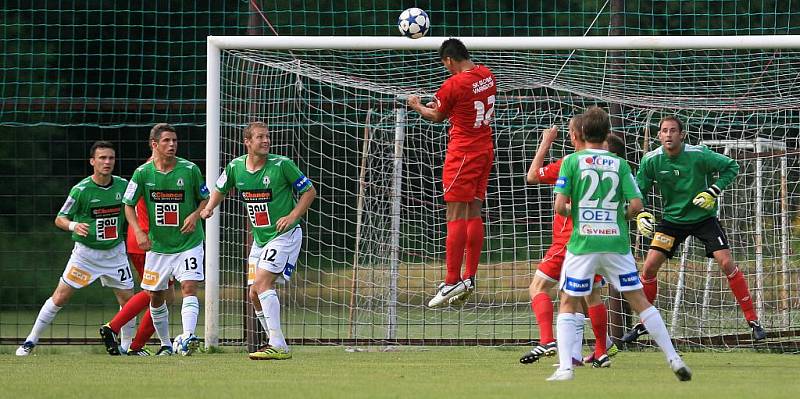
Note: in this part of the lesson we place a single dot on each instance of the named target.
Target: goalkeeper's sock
(655, 326)
(650, 288)
(262, 319)
(742, 293)
(126, 334)
(542, 307)
(189, 311)
(133, 307)
(566, 339)
(599, 318)
(46, 315)
(577, 346)
(271, 307)
(161, 323)
(474, 245)
(144, 332)
(454, 246)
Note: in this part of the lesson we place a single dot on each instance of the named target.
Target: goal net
(374, 238)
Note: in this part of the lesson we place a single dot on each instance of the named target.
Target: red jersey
(562, 225)
(467, 98)
(141, 215)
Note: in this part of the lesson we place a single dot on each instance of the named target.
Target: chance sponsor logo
(599, 229)
(167, 214)
(167, 196)
(256, 195)
(629, 279)
(578, 285)
(79, 276)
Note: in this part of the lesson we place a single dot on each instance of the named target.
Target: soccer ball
(413, 23)
(185, 345)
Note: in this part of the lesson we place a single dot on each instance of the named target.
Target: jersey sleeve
(630, 189)
(446, 97)
(725, 166)
(299, 181)
(134, 189)
(70, 205)
(200, 182)
(226, 179)
(548, 174)
(565, 177)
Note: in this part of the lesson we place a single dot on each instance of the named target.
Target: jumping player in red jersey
(467, 99)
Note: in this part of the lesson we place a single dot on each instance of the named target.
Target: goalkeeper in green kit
(685, 174)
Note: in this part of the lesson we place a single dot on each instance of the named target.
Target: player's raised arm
(548, 137)
(428, 111)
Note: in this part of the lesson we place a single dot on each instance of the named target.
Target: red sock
(650, 288)
(133, 307)
(145, 331)
(742, 293)
(454, 246)
(474, 246)
(599, 317)
(543, 309)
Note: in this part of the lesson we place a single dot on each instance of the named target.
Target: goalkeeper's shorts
(669, 236)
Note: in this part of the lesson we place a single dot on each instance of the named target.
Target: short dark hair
(596, 125)
(671, 118)
(252, 126)
(155, 132)
(100, 144)
(454, 49)
(616, 145)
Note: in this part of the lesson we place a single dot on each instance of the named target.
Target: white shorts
(87, 264)
(278, 256)
(183, 266)
(577, 275)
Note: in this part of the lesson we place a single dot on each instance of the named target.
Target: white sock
(126, 334)
(565, 330)
(655, 326)
(577, 347)
(262, 319)
(272, 312)
(160, 317)
(189, 312)
(45, 317)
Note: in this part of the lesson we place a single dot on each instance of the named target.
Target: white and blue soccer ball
(185, 345)
(413, 23)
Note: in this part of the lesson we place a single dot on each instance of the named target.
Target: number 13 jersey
(267, 192)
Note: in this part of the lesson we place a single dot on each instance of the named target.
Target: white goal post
(569, 94)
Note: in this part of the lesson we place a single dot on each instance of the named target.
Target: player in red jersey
(549, 270)
(467, 100)
(139, 302)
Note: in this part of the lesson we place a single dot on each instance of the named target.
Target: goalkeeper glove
(645, 223)
(707, 198)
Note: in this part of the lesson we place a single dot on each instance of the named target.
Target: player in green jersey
(93, 213)
(174, 192)
(685, 175)
(266, 183)
(597, 184)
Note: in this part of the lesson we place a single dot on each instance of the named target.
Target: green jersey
(682, 177)
(170, 197)
(267, 192)
(99, 207)
(599, 184)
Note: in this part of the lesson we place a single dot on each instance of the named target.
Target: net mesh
(374, 248)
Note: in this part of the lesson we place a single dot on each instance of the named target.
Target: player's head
(257, 139)
(452, 52)
(164, 140)
(615, 144)
(596, 125)
(102, 157)
(575, 135)
(670, 133)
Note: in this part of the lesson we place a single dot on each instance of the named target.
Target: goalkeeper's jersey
(599, 184)
(681, 178)
(99, 207)
(170, 198)
(267, 192)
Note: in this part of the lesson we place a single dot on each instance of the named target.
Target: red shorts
(550, 266)
(466, 175)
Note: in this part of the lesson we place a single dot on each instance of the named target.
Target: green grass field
(409, 372)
